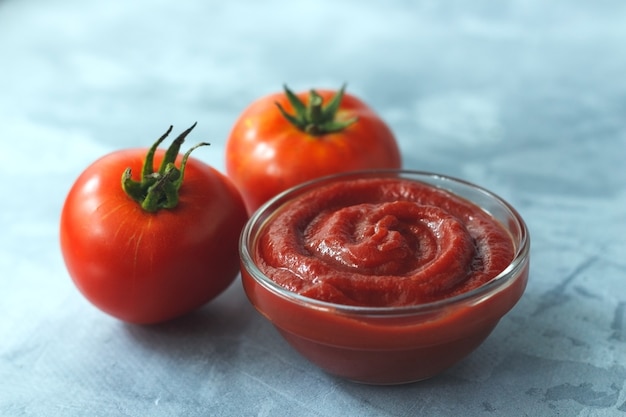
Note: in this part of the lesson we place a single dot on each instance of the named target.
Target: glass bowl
(388, 345)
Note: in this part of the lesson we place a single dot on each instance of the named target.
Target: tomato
(157, 248)
(284, 139)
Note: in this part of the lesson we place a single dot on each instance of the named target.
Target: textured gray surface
(527, 98)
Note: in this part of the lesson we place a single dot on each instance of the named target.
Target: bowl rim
(504, 278)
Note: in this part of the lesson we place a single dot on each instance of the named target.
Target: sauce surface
(382, 242)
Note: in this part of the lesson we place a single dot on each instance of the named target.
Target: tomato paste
(407, 267)
(382, 242)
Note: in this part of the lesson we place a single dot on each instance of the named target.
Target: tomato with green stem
(151, 249)
(284, 139)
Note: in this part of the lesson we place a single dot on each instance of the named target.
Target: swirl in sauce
(382, 242)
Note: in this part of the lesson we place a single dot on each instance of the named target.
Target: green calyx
(315, 118)
(159, 190)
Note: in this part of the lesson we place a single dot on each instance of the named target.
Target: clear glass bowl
(388, 345)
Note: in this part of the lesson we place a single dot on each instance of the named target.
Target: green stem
(160, 189)
(314, 114)
(314, 118)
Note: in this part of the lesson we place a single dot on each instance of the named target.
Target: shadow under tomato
(212, 328)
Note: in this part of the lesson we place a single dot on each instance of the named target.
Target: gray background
(526, 98)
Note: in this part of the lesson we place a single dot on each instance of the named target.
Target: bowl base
(386, 367)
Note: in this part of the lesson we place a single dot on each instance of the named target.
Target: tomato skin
(266, 154)
(143, 267)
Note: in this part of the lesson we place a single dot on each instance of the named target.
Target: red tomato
(147, 265)
(284, 139)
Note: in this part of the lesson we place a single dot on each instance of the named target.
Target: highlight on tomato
(148, 235)
(287, 138)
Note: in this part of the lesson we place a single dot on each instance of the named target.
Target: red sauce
(382, 242)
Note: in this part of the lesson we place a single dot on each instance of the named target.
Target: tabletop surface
(525, 98)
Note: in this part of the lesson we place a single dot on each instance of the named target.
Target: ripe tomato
(152, 263)
(271, 149)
